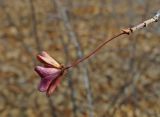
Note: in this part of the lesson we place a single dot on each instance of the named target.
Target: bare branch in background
(39, 45)
(52, 107)
(126, 72)
(34, 26)
(70, 79)
(69, 75)
(20, 36)
(72, 36)
(146, 9)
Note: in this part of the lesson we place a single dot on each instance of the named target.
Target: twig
(52, 108)
(34, 26)
(127, 31)
(143, 24)
(19, 34)
(70, 82)
(69, 75)
(146, 9)
(38, 44)
(124, 32)
(94, 51)
(75, 41)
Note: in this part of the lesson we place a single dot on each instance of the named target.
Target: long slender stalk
(94, 51)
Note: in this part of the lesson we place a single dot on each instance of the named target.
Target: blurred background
(121, 80)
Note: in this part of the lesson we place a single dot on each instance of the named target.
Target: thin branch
(72, 36)
(19, 35)
(52, 108)
(123, 32)
(94, 51)
(69, 75)
(70, 79)
(143, 24)
(34, 26)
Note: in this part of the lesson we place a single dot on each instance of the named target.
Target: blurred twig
(72, 36)
(70, 79)
(19, 34)
(69, 75)
(52, 107)
(134, 73)
(146, 9)
(34, 26)
(38, 44)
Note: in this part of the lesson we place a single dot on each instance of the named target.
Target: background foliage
(124, 77)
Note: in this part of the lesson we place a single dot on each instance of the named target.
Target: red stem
(93, 52)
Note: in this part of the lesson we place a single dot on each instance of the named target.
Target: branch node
(145, 24)
(126, 31)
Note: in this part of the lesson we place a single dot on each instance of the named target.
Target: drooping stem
(124, 31)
